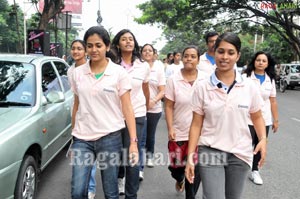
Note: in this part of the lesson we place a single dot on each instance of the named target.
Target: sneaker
(141, 175)
(121, 185)
(256, 178)
(179, 186)
(150, 163)
(91, 195)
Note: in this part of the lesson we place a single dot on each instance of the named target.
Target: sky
(116, 15)
(120, 14)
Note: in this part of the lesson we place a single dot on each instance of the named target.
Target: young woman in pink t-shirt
(261, 70)
(221, 107)
(157, 84)
(128, 54)
(101, 102)
(178, 96)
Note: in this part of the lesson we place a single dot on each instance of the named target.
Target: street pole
(99, 18)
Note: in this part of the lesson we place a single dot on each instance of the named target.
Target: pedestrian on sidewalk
(179, 115)
(100, 86)
(129, 57)
(221, 106)
(261, 70)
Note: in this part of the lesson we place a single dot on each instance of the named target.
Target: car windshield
(295, 69)
(17, 84)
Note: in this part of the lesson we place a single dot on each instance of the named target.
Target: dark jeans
(131, 173)
(152, 121)
(255, 141)
(107, 150)
(142, 143)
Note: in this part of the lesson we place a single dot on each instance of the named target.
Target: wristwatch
(134, 140)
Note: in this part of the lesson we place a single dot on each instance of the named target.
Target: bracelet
(276, 120)
(133, 140)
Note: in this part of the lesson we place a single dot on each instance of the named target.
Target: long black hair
(115, 43)
(270, 70)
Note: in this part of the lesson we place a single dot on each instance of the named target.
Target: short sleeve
(169, 90)
(124, 82)
(257, 101)
(273, 91)
(197, 102)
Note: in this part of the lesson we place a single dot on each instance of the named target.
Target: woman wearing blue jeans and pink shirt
(128, 54)
(157, 84)
(221, 106)
(100, 87)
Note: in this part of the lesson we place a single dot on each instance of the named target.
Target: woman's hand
(262, 148)
(190, 170)
(133, 154)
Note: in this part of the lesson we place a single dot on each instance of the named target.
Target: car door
(62, 69)
(55, 114)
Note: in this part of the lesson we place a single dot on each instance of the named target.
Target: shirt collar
(108, 70)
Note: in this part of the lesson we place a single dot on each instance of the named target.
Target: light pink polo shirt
(70, 73)
(157, 78)
(180, 92)
(225, 125)
(267, 90)
(99, 112)
(139, 73)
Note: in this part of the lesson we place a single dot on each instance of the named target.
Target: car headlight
(294, 77)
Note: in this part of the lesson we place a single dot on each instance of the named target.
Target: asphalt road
(281, 173)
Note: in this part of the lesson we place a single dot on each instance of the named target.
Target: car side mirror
(55, 97)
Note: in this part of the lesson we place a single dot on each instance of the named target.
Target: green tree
(202, 15)
(9, 38)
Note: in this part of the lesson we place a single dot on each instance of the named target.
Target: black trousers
(255, 141)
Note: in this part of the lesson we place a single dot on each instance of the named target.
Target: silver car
(35, 119)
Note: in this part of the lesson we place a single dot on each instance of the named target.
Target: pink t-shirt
(99, 112)
(267, 89)
(157, 78)
(225, 125)
(205, 65)
(139, 73)
(180, 92)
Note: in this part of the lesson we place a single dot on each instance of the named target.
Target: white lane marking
(298, 120)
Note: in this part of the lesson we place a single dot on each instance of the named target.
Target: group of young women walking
(117, 106)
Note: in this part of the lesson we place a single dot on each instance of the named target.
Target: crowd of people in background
(122, 89)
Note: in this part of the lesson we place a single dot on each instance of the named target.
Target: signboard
(74, 6)
(38, 42)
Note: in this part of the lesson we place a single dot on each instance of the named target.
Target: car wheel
(282, 86)
(27, 179)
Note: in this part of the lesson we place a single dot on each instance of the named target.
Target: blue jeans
(107, 150)
(223, 175)
(92, 182)
(152, 121)
(143, 146)
(131, 173)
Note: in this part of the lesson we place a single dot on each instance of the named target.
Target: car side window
(50, 80)
(62, 69)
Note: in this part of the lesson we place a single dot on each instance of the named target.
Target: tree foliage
(200, 16)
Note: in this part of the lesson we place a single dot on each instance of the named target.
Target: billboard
(74, 6)
(38, 42)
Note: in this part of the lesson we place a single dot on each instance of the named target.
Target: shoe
(256, 178)
(141, 175)
(150, 163)
(121, 185)
(179, 186)
(91, 195)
